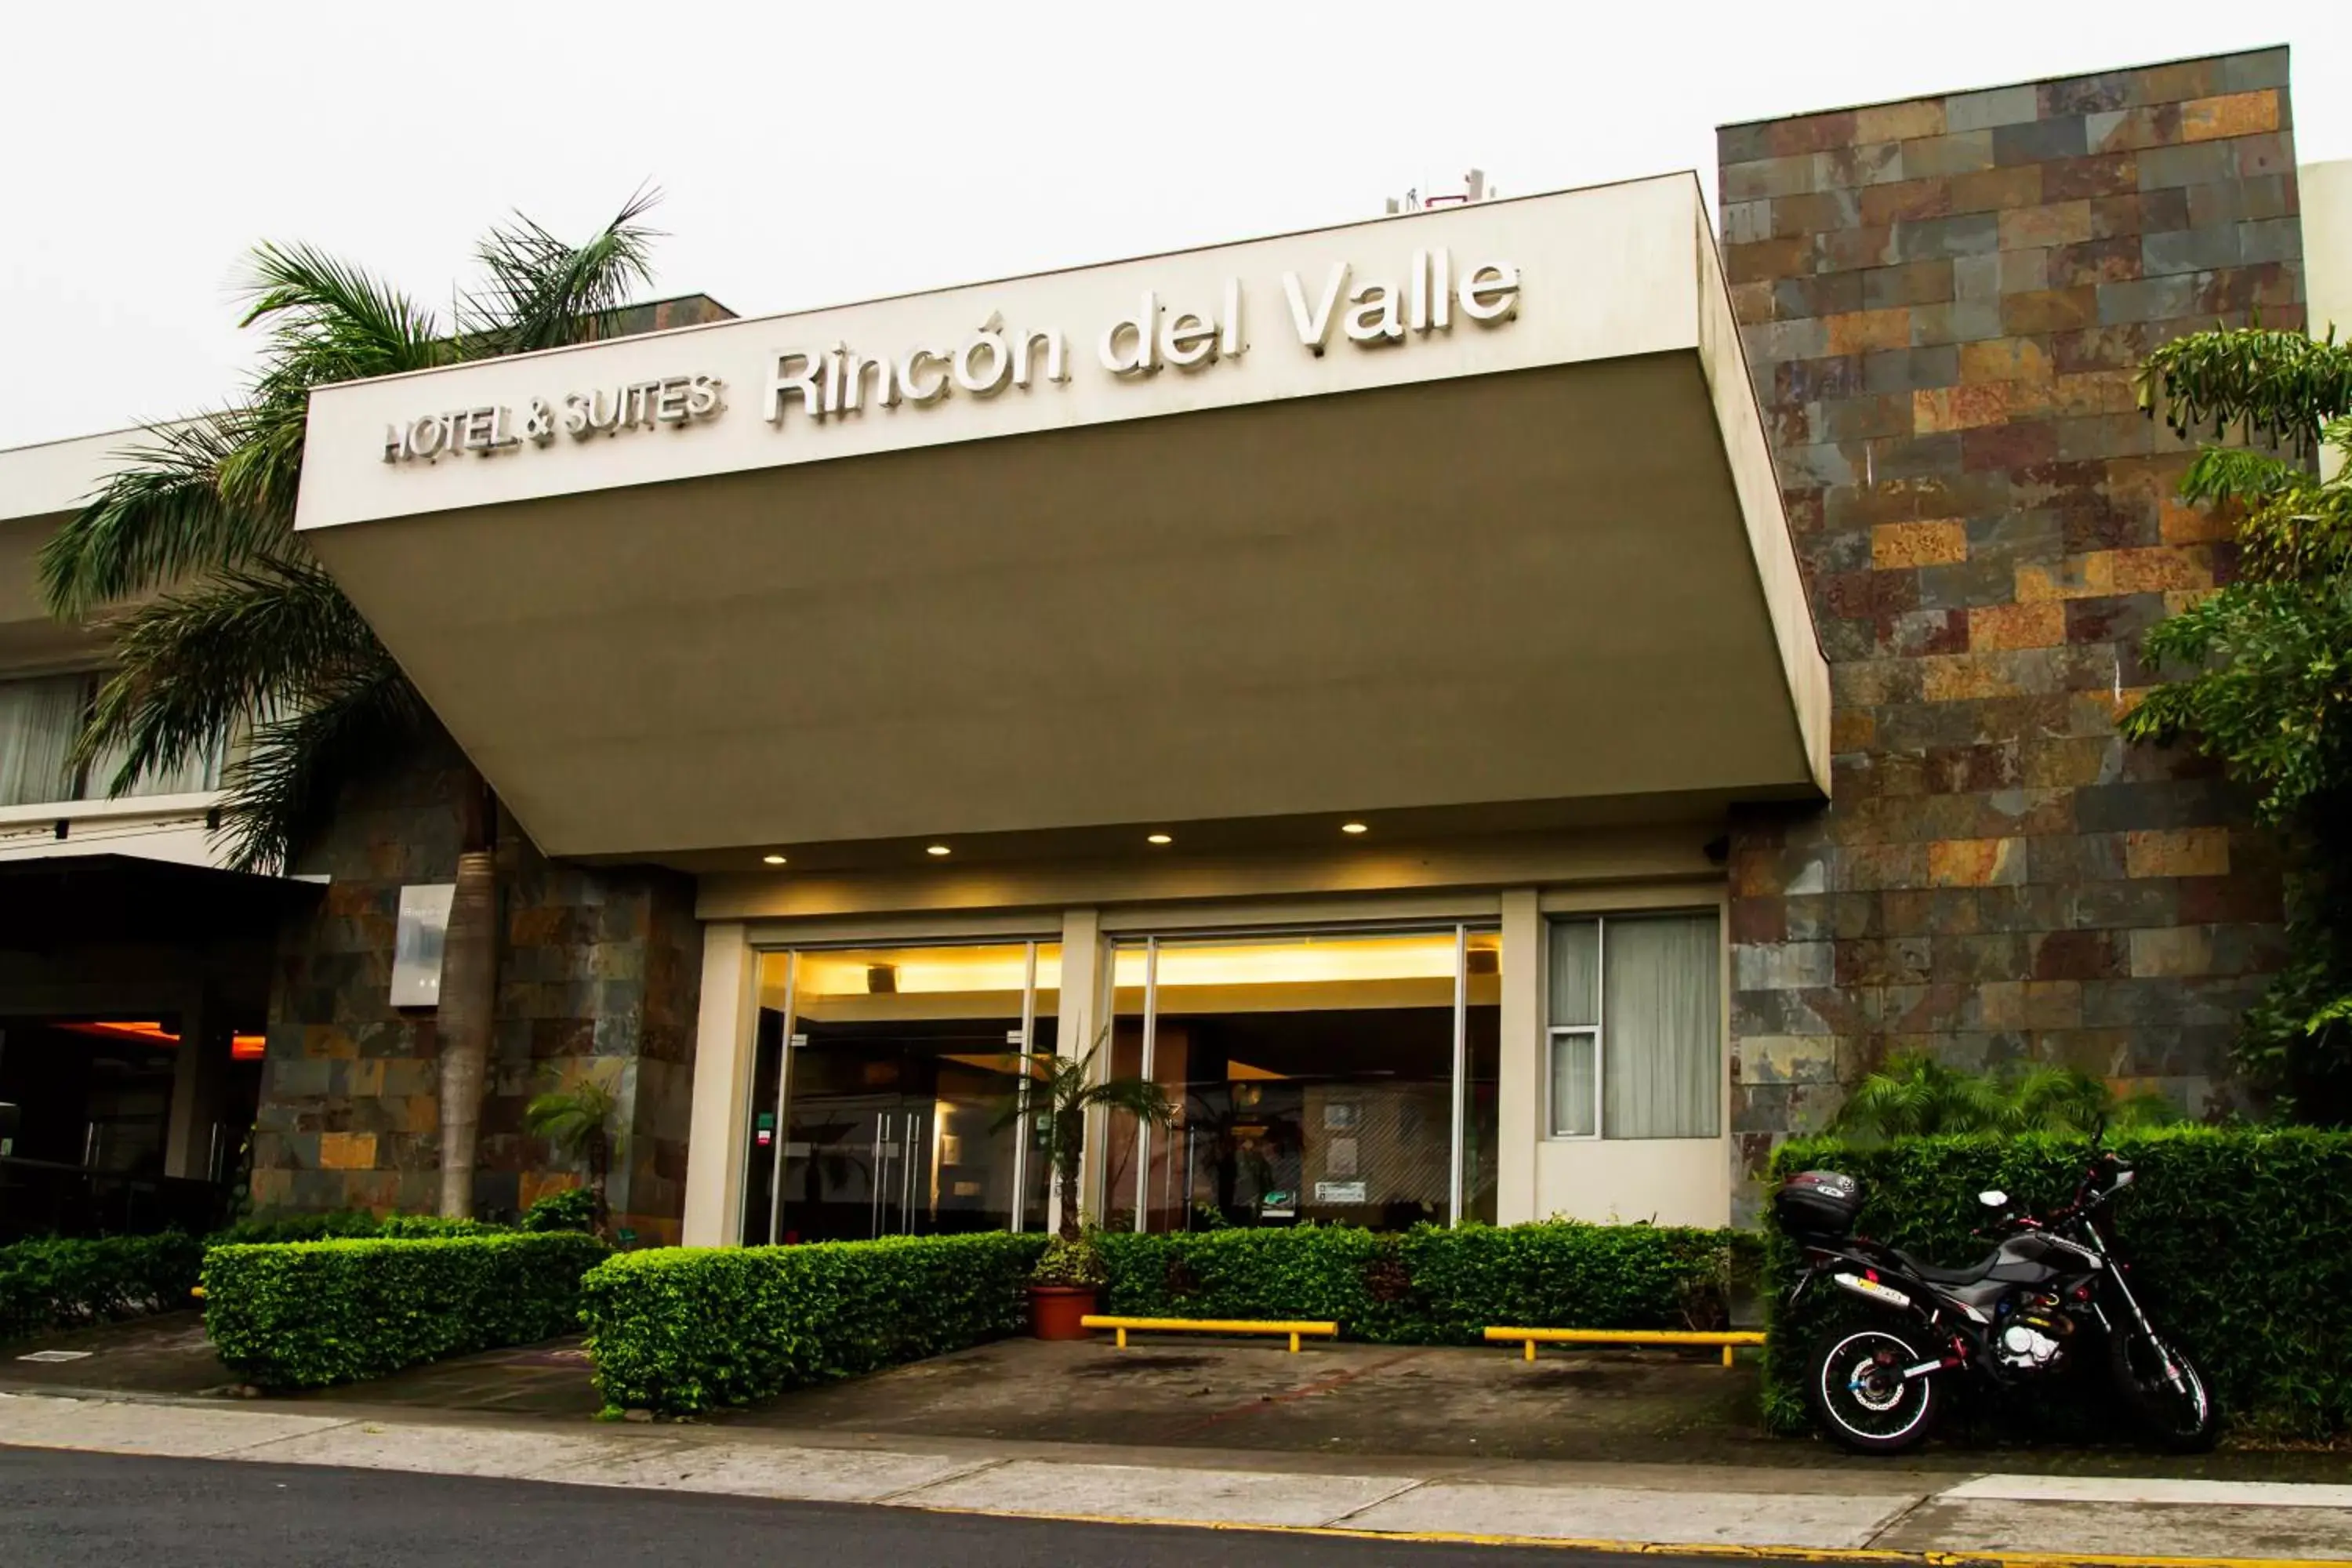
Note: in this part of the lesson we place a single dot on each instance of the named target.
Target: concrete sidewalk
(1889, 1515)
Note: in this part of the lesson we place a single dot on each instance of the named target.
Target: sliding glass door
(887, 1092)
(1328, 1076)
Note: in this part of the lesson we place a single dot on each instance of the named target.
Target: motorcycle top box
(1817, 1203)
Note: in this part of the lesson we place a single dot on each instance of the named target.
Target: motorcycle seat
(1935, 1275)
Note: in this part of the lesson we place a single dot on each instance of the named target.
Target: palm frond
(284, 787)
(328, 320)
(161, 519)
(1137, 1097)
(196, 667)
(542, 293)
(2052, 1098)
(574, 1119)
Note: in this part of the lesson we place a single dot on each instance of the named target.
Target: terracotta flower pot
(1055, 1311)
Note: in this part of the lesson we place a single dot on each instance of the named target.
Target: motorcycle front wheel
(2165, 1390)
(1861, 1395)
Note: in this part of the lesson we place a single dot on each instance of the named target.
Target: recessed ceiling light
(773, 860)
(1159, 839)
(1353, 827)
(939, 849)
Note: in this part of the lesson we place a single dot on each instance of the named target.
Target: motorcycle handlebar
(2089, 1196)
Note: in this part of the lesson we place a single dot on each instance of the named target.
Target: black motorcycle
(2048, 1297)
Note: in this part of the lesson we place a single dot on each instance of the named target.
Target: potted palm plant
(1061, 1090)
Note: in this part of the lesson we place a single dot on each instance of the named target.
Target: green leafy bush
(2236, 1240)
(278, 1228)
(1430, 1285)
(570, 1208)
(681, 1329)
(267, 1229)
(431, 1226)
(62, 1283)
(1068, 1262)
(305, 1314)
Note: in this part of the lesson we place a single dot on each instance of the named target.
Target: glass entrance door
(1318, 1076)
(889, 1092)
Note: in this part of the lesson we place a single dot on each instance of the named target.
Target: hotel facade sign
(487, 430)
(819, 383)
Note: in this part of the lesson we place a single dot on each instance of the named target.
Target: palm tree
(579, 1122)
(228, 628)
(1060, 1091)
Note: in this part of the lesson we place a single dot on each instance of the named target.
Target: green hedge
(335, 1225)
(305, 1314)
(680, 1329)
(683, 1330)
(56, 1283)
(2240, 1242)
(1430, 1285)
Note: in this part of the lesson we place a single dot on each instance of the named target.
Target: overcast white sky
(816, 154)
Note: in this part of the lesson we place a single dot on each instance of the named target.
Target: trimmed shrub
(264, 1230)
(2236, 1239)
(305, 1314)
(340, 1223)
(63, 1283)
(681, 1329)
(430, 1226)
(1430, 1285)
(567, 1208)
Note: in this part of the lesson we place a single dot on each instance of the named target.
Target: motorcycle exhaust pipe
(1871, 1290)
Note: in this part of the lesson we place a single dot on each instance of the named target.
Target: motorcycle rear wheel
(1860, 1395)
(2183, 1419)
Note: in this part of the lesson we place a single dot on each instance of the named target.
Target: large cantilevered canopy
(1521, 559)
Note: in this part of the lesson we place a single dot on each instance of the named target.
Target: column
(722, 1085)
(1083, 980)
(1519, 1123)
(196, 1074)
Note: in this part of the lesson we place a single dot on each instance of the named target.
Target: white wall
(1620, 1181)
(151, 827)
(2327, 191)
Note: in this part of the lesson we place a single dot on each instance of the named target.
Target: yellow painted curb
(1718, 1550)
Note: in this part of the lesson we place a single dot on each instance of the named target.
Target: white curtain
(201, 771)
(1575, 973)
(39, 721)
(1662, 1070)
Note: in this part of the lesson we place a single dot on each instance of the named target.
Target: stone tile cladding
(1943, 302)
(595, 967)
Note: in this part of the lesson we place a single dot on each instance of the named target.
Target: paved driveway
(1201, 1392)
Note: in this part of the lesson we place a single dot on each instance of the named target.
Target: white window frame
(1596, 1031)
(1551, 1070)
(1554, 1032)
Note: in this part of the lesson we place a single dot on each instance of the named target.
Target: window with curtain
(201, 771)
(39, 718)
(39, 721)
(1636, 1034)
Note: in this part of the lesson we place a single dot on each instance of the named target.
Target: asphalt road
(66, 1511)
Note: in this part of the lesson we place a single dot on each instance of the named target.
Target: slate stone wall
(598, 972)
(1943, 303)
